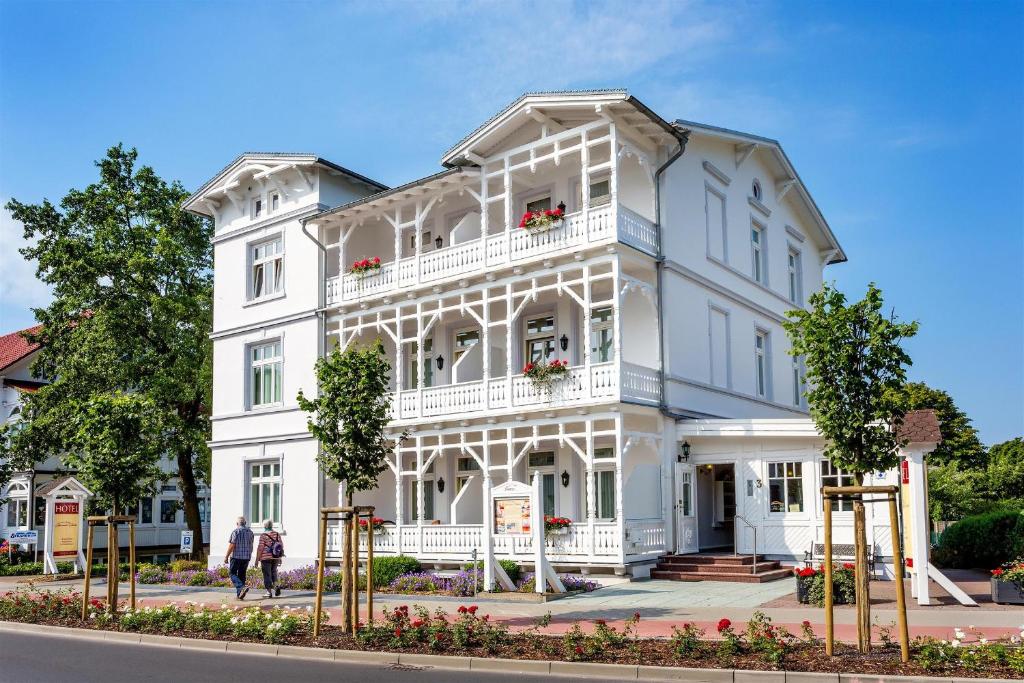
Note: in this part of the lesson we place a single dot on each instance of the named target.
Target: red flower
(472, 609)
(417, 623)
(997, 572)
(848, 565)
(806, 624)
(398, 633)
(723, 624)
(805, 572)
(548, 212)
(579, 650)
(556, 212)
(376, 260)
(462, 609)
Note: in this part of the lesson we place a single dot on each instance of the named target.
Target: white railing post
(617, 320)
(420, 370)
(419, 494)
(398, 496)
(620, 521)
(585, 333)
(591, 490)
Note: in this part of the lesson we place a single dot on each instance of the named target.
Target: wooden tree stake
(829, 616)
(88, 573)
(901, 597)
(320, 574)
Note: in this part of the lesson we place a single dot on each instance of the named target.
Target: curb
(455, 662)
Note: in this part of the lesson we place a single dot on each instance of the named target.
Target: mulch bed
(646, 651)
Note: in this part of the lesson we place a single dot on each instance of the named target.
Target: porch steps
(730, 568)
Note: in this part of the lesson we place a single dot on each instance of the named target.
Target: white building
(160, 518)
(665, 288)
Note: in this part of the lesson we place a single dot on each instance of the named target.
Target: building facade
(664, 290)
(160, 519)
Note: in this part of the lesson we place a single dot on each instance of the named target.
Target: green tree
(349, 415)
(856, 368)
(960, 443)
(1005, 471)
(131, 312)
(955, 493)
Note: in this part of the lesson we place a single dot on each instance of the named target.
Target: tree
(348, 417)
(350, 414)
(960, 443)
(1005, 471)
(856, 372)
(131, 312)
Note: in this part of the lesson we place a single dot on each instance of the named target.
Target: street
(32, 658)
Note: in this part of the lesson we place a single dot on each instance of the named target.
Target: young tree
(131, 312)
(856, 369)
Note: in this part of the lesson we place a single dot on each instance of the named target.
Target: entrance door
(686, 510)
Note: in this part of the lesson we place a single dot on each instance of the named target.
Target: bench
(841, 552)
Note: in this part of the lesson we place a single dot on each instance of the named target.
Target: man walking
(237, 556)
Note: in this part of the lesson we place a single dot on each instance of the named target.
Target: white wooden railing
(602, 223)
(456, 542)
(636, 383)
(645, 539)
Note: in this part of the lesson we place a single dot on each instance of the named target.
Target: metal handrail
(735, 539)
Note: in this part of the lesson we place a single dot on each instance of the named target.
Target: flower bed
(758, 645)
(1008, 583)
(469, 582)
(810, 585)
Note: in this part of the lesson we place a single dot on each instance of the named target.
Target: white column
(507, 178)
(398, 237)
(617, 321)
(508, 352)
(585, 333)
(488, 515)
(620, 521)
(510, 446)
(585, 182)
(398, 497)
(421, 371)
(399, 374)
(917, 525)
(419, 494)
(613, 183)
(590, 488)
(485, 340)
(418, 227)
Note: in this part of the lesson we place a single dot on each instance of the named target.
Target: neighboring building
(160, 521)
(673, 334)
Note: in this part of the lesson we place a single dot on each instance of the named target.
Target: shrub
(187, 565)
(415, 582)
(150, 573)
(982, 541)
(511, 568)
(388, 568)
(843, 591)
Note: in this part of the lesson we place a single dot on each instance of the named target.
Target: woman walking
(269, 554)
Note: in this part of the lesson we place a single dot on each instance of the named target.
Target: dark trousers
(236, 571)
(269, 568)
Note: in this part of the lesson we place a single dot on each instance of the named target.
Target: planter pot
(1006, 593)
(801, 592)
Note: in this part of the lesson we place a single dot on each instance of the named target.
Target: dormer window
(756, 189)
(257, 208)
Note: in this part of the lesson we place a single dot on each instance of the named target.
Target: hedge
(982, 541)
(387, 568)
(511, 568)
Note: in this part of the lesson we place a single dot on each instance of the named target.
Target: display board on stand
(65, 504)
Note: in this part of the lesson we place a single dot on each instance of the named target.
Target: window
(464, 341)
(798, 381)
(686, 493)
(465, 467)
(257, 208)
(168, 511)
(785, 487)
(539, 204)
(755, 189)
(714, 216)
(540, 338)
(794, 277)
(600, 192)
(204, 510)
(758, 271)
(428, 364)
(146, 511)
(267, 273)
(544, 463)
(17, 512)
(833, 476)
(265, 366)
(602, 335)
(265, 492)
(428, 499)
(761, 363)
(604, 489)
(275, 202)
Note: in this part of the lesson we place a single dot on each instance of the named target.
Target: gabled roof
(553, 99)
(14, 347)
(369, 199)
(64, 484)
(277, 157)
(780, 156)
(920, 426)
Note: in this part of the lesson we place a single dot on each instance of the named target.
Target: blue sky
(906, 120)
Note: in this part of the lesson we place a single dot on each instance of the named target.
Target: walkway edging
(456, 662)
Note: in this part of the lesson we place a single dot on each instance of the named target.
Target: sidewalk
(661, 604)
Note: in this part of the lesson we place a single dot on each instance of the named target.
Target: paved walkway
(661, 604)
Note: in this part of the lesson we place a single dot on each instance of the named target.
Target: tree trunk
(190, 502)
(861, 589)
(346, 572)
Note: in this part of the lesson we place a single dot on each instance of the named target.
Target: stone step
(713, 559)
(678, 565)
(773, 575)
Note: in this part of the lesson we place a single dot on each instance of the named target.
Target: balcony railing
(605, 383)
(456, 542)
(603, 223)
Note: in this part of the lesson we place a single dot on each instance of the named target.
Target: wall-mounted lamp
(564, 341)
(565, 478)
(440, 484)
(684, 452)
(440, 362)
(561, 207)
(438, 242)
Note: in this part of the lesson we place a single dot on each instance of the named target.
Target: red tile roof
(14, 347)
(920, 426)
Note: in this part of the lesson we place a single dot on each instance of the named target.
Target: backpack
(276, 548)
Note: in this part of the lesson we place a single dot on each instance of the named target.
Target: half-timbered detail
(575, 295)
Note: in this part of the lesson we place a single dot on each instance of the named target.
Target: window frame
(251, 366)
(541, 336)
(839, 507)
(783, 462)
(759, 252)
(273, 202)
(412, 376)
(756, 191)
(267, 265)
(799, 376)
(596, 179)
(600, 326)
(545, 471)
(257, 209)
(142, 508)
(794, 271)
(762, 364)
(428, 485)
(261, 480)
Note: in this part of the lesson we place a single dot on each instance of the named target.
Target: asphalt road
(33, 658)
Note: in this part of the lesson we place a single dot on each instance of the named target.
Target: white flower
(958, 634)
(955, 643)
(983, 640)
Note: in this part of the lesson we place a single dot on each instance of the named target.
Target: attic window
(756, 189)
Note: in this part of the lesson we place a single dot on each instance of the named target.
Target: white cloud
(19, 287)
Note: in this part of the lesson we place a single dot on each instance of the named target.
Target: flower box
(536, 222)
(366, 267)
(543, 375)
(801, 591)
(1006, 592)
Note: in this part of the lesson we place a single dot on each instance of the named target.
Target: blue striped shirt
(242, 538)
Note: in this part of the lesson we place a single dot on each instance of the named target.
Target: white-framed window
(145, 511)
(539, 203)
(795, 276)
(762, 376)
(604, 485)
(755, 189)
(256, 211)
(833, 476)
(266, 269)
(204, 510)
(275, 201)
(686, 494)
(602, 335)
(428, 496)
(544, 463)
(465, 467)
(785, 487)
(540, 339)
(600, 191)
(428, 364)
(798, 381)
(465, 340)
(264, 491)
(758, 269)
(17, 512)
(265, 368)
(169, 511)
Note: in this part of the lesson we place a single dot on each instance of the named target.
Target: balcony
(603, 224)
(605, 382)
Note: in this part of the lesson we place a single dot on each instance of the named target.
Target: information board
(65, 529)
(512, 516)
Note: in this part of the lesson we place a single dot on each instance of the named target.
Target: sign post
(186, 542)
